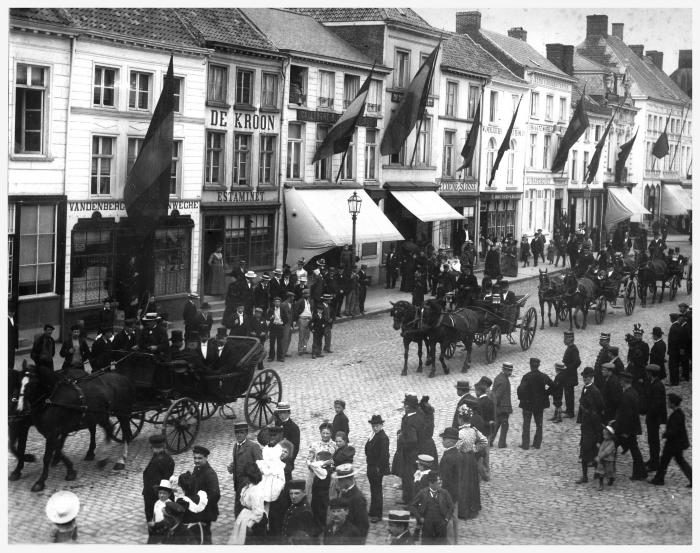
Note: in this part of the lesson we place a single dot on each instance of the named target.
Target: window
(574, 165)
(178, 89)
(217, 83)
(399, 158)
(269, 90)
(530, 197)
(597, 133)
(371, 154)
(103, 92)
(546, 151)
(562, 109)
(545, 208)
(323, 166)
(37, 249)
(473, 100)
(423, 153)
(244, 87)
(294, 142)
(402, 69)
(241, 159)
(351, 86)
(132, 152)
(511, 163)
(327, 89)
(176, 168)
(490, 157)
(101, 173)
(534, 101)
(346, 172)
(248, 237)
(139, 90)
(30, 100)
(533, 147)
(448, 152)
(585, 166)
(171, 254)
(368, 249)
(423, 58)
(469, 171)
(93, 258)
(266, 167)
(649, 123)
(215, 158)
(587, 134)
(11, 238)
(297, 85)
(374, 97)
(493, 106)
(549, 108)
(451, 100)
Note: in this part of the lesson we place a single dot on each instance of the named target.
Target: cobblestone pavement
(531, 499)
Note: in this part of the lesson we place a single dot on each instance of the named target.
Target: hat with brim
(559, 366)
(425, 459)
(609, 428)
(62, 507)
(376, 419)
(164, 485)
(151, 317)
(653, 368)
(450, 433)
(283, 407)
(399, 517)
(200, 450)
(411, 401)
(463, 384)
(605, 336)
(609, 366)
(156, 440)
(656, 331)
(250, 274)
(192, 295)
(344, 471)
(588, 371)
(266, 277)
(277, 272)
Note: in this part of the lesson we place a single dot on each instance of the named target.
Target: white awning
(675, 200)
(427, 205)
(622, 205)
(318, 220)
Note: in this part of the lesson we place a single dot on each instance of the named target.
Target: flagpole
(342, 161)
(415, 148)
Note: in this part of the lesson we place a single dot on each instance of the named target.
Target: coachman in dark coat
(590, 417)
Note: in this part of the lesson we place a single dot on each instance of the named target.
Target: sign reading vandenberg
(120, 206)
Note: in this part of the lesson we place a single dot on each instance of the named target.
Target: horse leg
(125, 423)
(405, 357)
(51, 442)
(18, 432)
(468, 354)
(90, 455)
(542, 314)
(663, 289)
(443, 347)
(71, 474)
(556, 312)
(571, 319)
(420, 355)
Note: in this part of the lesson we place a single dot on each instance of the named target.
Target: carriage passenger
(467, 286)
(585, 261)
(192, 353)
(177, 340)
(101, 356)
(153, 339)
(507, 296)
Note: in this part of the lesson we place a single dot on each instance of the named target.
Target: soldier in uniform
(590, 417)
(572, 361)
(160, 467)
(205, 479)
(611, 391)
(603, 357)
(398, 526)
(245, 451)
(627, 426)
(299, 526)
(638, 358)
(532, 393)
(656, 414)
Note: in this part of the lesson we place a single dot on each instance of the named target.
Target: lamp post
(354, 205)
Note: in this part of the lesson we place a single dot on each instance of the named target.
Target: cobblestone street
(531, 499)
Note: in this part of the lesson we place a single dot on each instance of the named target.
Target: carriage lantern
(354, 205)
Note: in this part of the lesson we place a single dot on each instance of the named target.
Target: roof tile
(390, 15)
(522, 53)
(41, 15)
(462, 53)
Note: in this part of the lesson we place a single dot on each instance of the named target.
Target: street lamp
(354, 205)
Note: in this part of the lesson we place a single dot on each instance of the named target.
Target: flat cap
(200, 450)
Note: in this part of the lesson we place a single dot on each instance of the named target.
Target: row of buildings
(257, 91)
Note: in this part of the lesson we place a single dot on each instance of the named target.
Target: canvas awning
(675, 200)
(318, 220)
(427, 205)
(622, 205)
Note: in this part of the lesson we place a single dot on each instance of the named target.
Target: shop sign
(497, 196)
(331, 117)
(235, 196)
(118, 207)
(457, 186)
(242, 120)
(539, 180)
(492, 129)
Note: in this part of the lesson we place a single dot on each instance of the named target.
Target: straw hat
(62, 507)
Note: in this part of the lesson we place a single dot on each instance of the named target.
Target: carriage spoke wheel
(207, 410)
(493, 342)
(181, 425)
(630, 297)
(450, 350)
(601, 309)
(135, 422)
(528, 327)
(673, 290)
(261, 398)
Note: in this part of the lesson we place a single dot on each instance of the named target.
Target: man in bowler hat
(677, 442)
(377, 454)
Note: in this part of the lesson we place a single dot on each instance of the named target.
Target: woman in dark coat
(492, 265)
(427, 411)
(471, 441)
(320, 488)
(509, 259)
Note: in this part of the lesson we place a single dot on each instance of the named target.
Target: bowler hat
(588, 371)
(106, 329)
(75, 326)
(682, 305)
(200, 450)
(609, 366)
(274, 429)
(321, 262)
(485, 381)
(568, 334)
(221, 332)
(62, 507)
(463, 384)
(656, 331)
(343, 471)
(559, 366)
(432, 476)
(625, 375)
(450, 433)
(176, 336)
(49, 325)
(399, 517)
(156, 440)
(376, 419)
(150, 317)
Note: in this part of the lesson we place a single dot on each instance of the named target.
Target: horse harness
(83, 408)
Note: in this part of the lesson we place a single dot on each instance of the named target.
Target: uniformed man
(329, 316)
(533, 392)
(160, 467)
(603, 357)
(205, 479)
(572, 361)
(245, 451)
(398, 526)
(504, 408)
(611, 392)
(677, 348)
(299, 526)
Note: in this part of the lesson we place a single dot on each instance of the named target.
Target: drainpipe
(280, 221)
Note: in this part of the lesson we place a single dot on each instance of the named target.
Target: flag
(660, 148)
(410, 109)
(505, 145)
(339, 137)
(470, 144)
(148, 184)
(595, 160)
(625, 150)
(577, 126)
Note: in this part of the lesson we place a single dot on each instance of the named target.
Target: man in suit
(590, 417)
(392, 268)
(261, 293)
(363, 281)
(192, 354)
(43, 349)
(677, 442)
(246, 292)
(463, 391)
(398, 527)
(239, 273)
(245, 451)
(602, 357)
(627, 426)
(460, 239)
(189, 313)
(220, 356)
(153, 338)
(504, 408)
(126, 339)
(339, 530)
(357, 504)
(450, 474)
(160, 467)
(678, 345)
(107, 313)
(177, 341)
(276, 285)
(204, 320)
(205, 479)
(258, 329)
(434, 509)
(316, 285)
(290, 430)
(411, 436)
(302, 313)
(377, 454)
(533, 392)
(657, 353)
(101, 355)
(572, 361)
(277, 319)
(75, 349)
(611, 392)
(239, 322)
(288, 280)
(287, 305)
(656, 414)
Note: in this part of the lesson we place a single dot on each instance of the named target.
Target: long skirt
(469, 503)
(320, 499)
(217, 279)
(509, 265)
(588, 449)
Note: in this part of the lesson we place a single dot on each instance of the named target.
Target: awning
(427, 205)
(675, 200)
(622, 205)
(318, 220)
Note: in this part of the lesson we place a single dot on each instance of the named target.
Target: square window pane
(21, 73)
(46, 249)
(47, 215)
(27, 275)
(29, 216)
(27, 250)
(37, 76)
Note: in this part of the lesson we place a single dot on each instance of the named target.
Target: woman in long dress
(352, 302)
(324, 444)
(471, 441)
(509, 259)
(217, 278)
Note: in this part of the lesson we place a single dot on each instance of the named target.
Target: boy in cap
(398, 526)
(299, 527)
(363, 281)
(504, 408)
(43, 349)
(160, 467)
(357, 504)
(329, 314)
(656, 414)
(425, 464)
(433, 508)
(676, 436)
(317, 326)
(339, 530)
(205, 479)
(377, 455)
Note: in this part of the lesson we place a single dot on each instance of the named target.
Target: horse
(649, 273)
(578, 294)
(407, 318)
(74, 403)
(550, 291)
(446, 328)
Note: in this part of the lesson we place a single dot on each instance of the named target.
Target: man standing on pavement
(501, 394)
(603, 357)
(533, 393)
(302, 313)
(678, 342)
(627, 426)
(299, 526)
(411, 435)
(611, 392)
(590, 417)
(434, 509)
(392, 268)
(572, 361)
(677, 442)
(277, 318)
(377, 455)
(657, 353)
(160, 467)
(205, 479)
(330, 318)
(656, 414)
(450, 474)
(245, 451)
(357, 504)
(75, 350)
(290, 430)
(465, 397)
(363, 281)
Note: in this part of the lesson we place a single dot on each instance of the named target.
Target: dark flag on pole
(410, 109)
(660, 148)
(339, 137)
(622, 156)
(470, 144)
(595, 160)
(577, 126)
(148, 184)
(505, 145)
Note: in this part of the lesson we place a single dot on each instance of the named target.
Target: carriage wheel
(601, 309)
(207, 410)
(181, 425)
(630, 297)
(528, 327)
(261, 398)
(136, 422)
(493, 343)
(562, 311)
(673, 289)
(450, 350)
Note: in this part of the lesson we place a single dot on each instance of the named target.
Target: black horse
(72, 404)
(447, 328)
(650, 272)
(550, 291)
(578, 295)
(407, 318)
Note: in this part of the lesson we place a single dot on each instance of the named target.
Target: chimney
(562, 56)
(596, 25)
(617, 30)
(637, 49)
(468, 22)
(519, 33)
(685, 59)
(568, 60)
(656, 57)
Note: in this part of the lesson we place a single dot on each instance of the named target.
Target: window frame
(534, 104)
(242, 159)
(448, 153)
(511, 162)
(303, 72)
(451, 96)
(371, 107)
(214, 101)
(371, 147)
(346, 77)
(44, 131)
(263, 164)
(574, 165)
(533, 150)
(549, 107)
(180, 96)
(424, 143)
(295, 146)
(112, 165)
(326, 102)
(38, 234)
(347, 166)
(208, 159)
(493, 106)
(323, 168)
(138, 91)
(562, 109)
(102, 87)
(474, 92)
(402, 70)
(546, 151)
(178, 144)
(263, 102)
(239, 101)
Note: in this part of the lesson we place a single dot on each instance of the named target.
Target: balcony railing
(373, 108)
(324, 102)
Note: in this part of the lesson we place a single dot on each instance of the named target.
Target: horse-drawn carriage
(667, 270)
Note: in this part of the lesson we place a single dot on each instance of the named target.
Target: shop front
(676, 205)
(498, 214)
(586, 209)
(463, 196)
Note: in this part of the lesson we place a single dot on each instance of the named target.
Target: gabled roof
(460, 52)
(582, 63)
(522, 53)
(309, 36)
(405, 16)
(54, 16)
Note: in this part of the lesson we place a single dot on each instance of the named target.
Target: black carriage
(676, 267)
(612, 289)
(177, 396)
